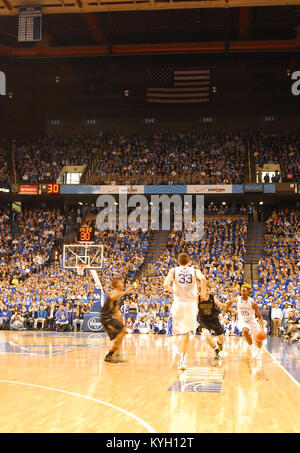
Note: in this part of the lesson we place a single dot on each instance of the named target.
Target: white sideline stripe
(79, 395)
(282, 367)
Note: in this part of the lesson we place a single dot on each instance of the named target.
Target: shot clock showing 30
(52, 189)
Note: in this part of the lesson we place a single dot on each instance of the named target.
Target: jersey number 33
(185, 279)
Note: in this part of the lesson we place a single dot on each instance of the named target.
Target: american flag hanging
(178, 86)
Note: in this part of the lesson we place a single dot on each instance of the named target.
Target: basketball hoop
(77, 255)
(80, 268)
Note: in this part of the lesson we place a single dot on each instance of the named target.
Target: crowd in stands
(27, 240)
(35, 292)
(223, 208)
(278, 288)
(123, 254)
(143, 315)
(278, 148)
(41, 160)
(32, 284)
(166, 158)
(220, 256)
(158, 158)
(51, 298)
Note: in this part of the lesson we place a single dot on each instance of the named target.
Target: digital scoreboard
(30, 24)
(86, 234)
(50, 189)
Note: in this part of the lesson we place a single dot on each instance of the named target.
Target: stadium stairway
(251, 176)
(254, 249)
(156, 248)
(13, 175)
(90, 168)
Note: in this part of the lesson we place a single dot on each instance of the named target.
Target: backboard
(82, 256)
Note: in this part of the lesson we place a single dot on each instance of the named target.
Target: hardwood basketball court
(59, 383)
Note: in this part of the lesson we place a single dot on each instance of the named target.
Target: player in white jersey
(182, 281)
(247, 311)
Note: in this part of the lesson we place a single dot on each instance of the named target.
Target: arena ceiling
(8, 7)
(127, 27)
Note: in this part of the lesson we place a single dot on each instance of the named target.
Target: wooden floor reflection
(59, 383)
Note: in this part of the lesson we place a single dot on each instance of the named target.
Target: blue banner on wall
(79, 189)
(253, 187)
(165, 189)
(237, 188)
(269, 188)
(91, 320)
(98, 301)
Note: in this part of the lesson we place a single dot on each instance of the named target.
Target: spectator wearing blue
(285, 314)
(62, 323)
(61, 311)
(41, 317)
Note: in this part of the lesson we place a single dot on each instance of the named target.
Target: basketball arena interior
(135, 133)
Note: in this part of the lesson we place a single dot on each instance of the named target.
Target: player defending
(208, 313)
(247, 308)
(112, 319)
(181, 281)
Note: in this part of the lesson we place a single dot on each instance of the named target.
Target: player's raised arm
(225, 307)
(168, 281)
(118, 291)
(228, 305)
(201, 278)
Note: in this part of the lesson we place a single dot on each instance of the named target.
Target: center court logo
(2, 84)
(186, 213)
(94, 324)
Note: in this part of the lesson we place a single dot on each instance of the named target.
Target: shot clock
(50, 189)
(86, 234)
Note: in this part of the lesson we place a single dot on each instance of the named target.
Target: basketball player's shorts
(250, 324)
(183, 318)
(112, 326)
(212, 324)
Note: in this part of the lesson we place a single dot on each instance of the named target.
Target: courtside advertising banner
(28, 189)
(219, 188)
(121, 189)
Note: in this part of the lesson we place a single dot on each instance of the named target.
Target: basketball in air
(261, 335)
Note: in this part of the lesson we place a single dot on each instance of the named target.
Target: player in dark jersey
(112, 319)
(208, 314)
